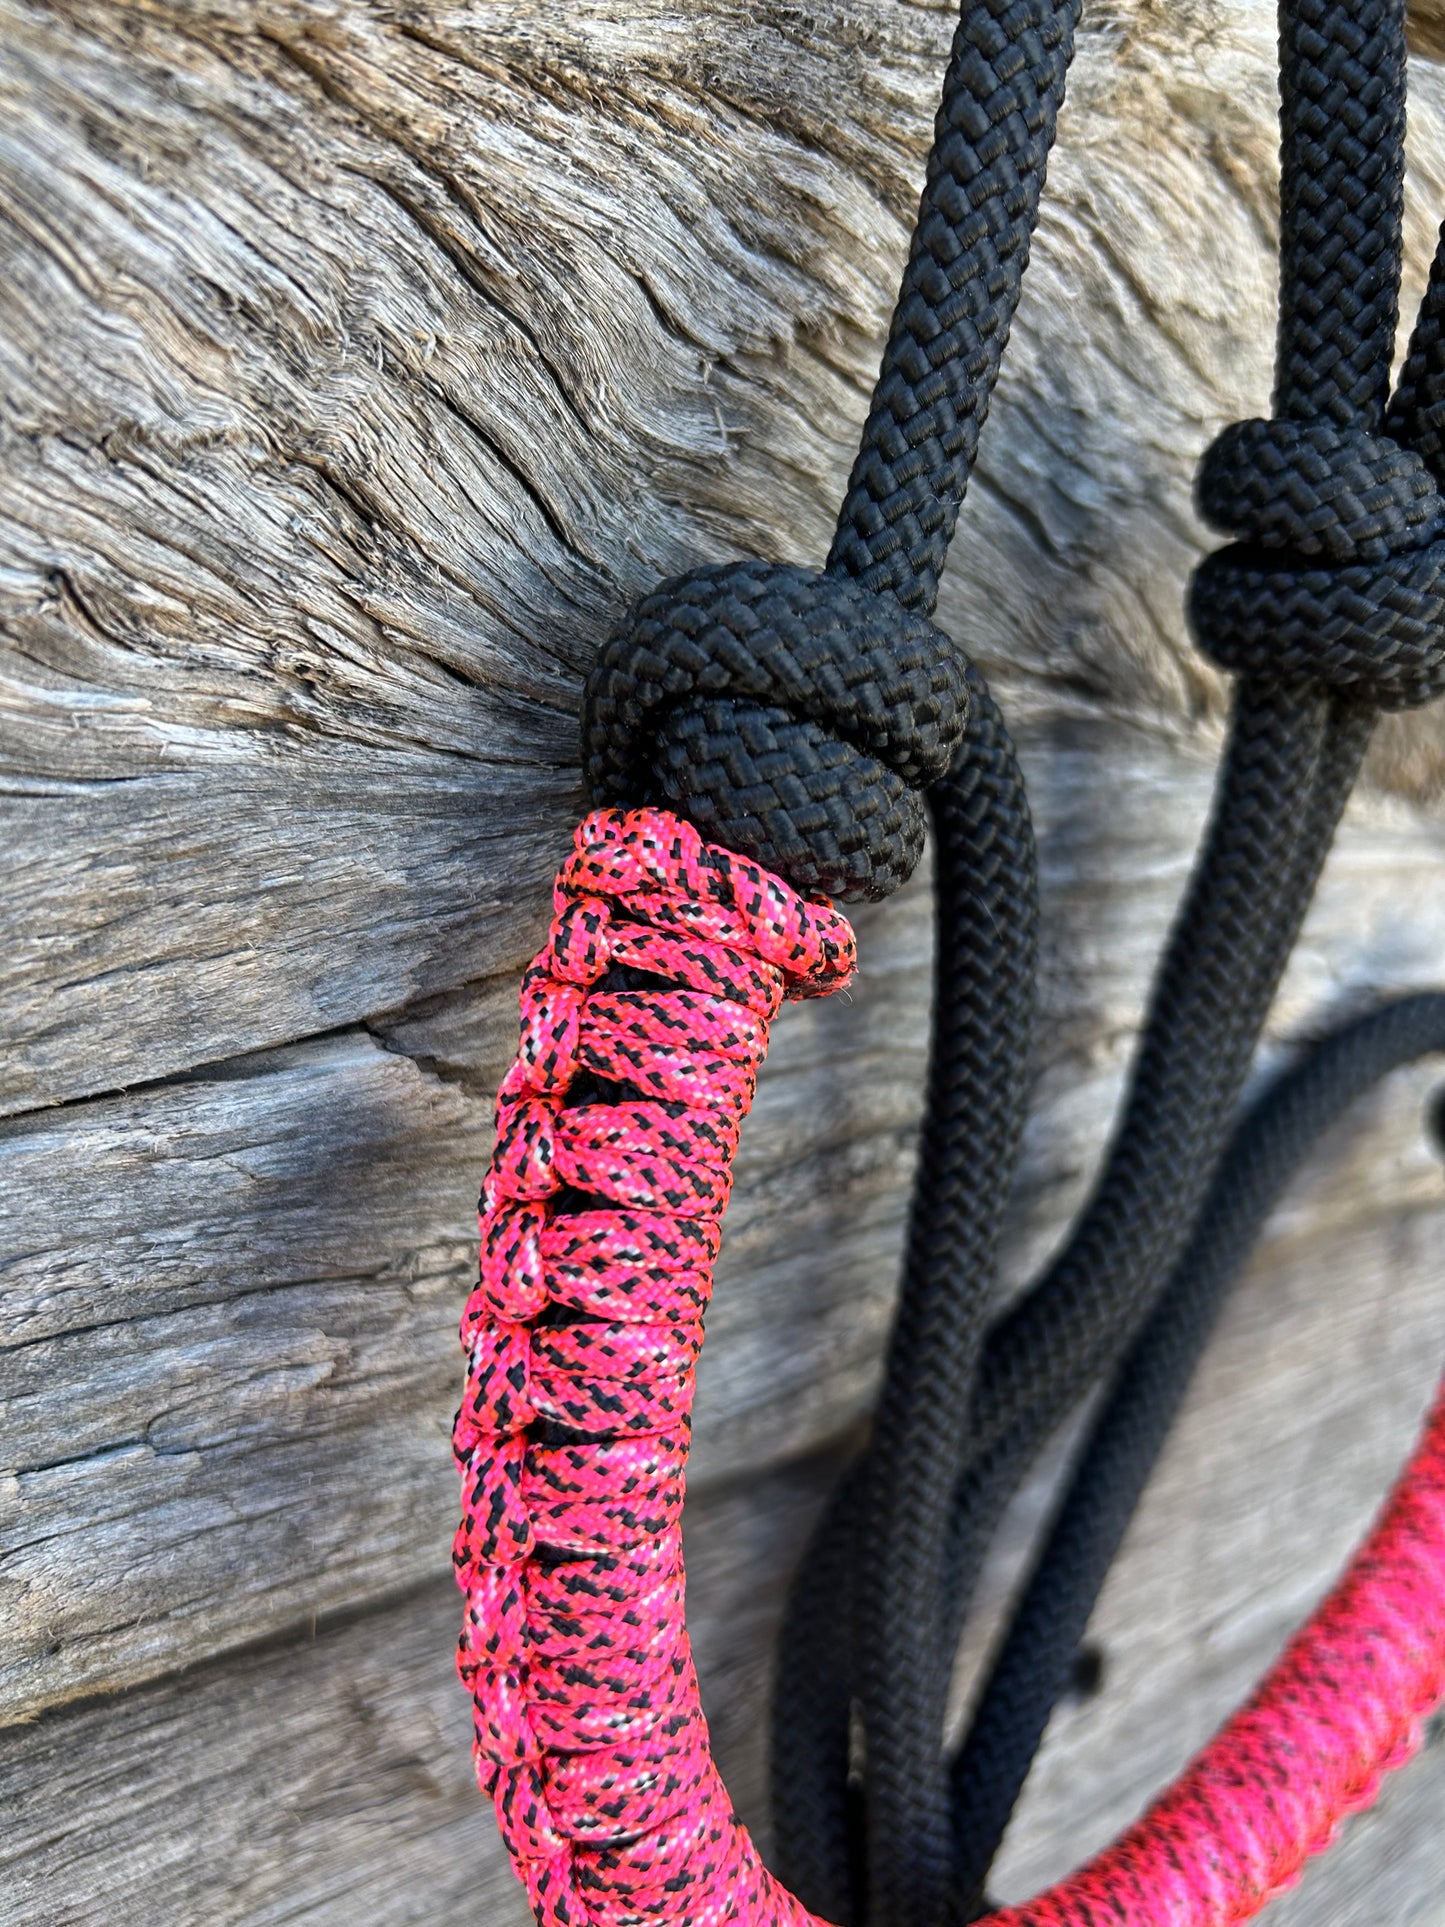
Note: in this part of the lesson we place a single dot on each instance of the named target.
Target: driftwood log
(360, 360)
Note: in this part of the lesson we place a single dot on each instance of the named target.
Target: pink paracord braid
(600, 1224)
(590, 1737)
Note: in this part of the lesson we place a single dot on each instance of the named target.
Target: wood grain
(359, 361)
(239, 1289)
(231, 1329)
(326, 1776)
(340, 423)
(329, 1778)
(1307, 1406)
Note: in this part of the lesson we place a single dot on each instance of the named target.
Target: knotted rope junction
(802, 721)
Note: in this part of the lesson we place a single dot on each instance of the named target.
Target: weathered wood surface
(359, 362)
(244, 1286)
(331, 1779)
(328, 1779)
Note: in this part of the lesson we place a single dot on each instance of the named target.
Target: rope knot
(792, 715)
(1338, 575)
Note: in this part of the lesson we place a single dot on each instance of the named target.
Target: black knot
(793, 716)
(1319, 490)
(1339, 577)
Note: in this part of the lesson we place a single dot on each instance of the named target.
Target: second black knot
(1339, 575)
(793, 716)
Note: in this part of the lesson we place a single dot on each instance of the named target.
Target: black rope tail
(882, 1545)
(1033, 1668)
(984, 968)
(1280, 793)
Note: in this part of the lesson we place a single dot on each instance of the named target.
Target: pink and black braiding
(601, 1216)
(601, 1219)
(802, 719)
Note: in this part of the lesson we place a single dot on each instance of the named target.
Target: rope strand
(1033, 1667)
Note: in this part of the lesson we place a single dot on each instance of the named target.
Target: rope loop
(793, 715)
(1339, 576)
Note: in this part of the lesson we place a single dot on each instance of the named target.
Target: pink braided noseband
(600, 1224)
(1341, 1707)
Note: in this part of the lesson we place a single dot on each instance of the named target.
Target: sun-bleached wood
(360, 362)
(328, 1776)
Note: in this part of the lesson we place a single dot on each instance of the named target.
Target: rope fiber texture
(1343, 1706)
(884, 1575)
(600, 1220)
(804, 720)
(1303, 715)
(644, 1020)
(1034, 1666)
(706, 697)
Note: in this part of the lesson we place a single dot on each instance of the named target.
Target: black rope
(1228, 951)
(1374, 513)
(1002, 91)
(710, 697)
(1294, 752)
(1034, 1666)
(985, 964)
(802, 717)
(692, 703)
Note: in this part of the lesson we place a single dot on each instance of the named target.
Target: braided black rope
(985, 962)
(1033, 1668)
(1354, 627)
(1002, 92)
(798, 716)
(1377, 510)
(1229, 948)
(1323, 486)
(802, 716)
(793, 716)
